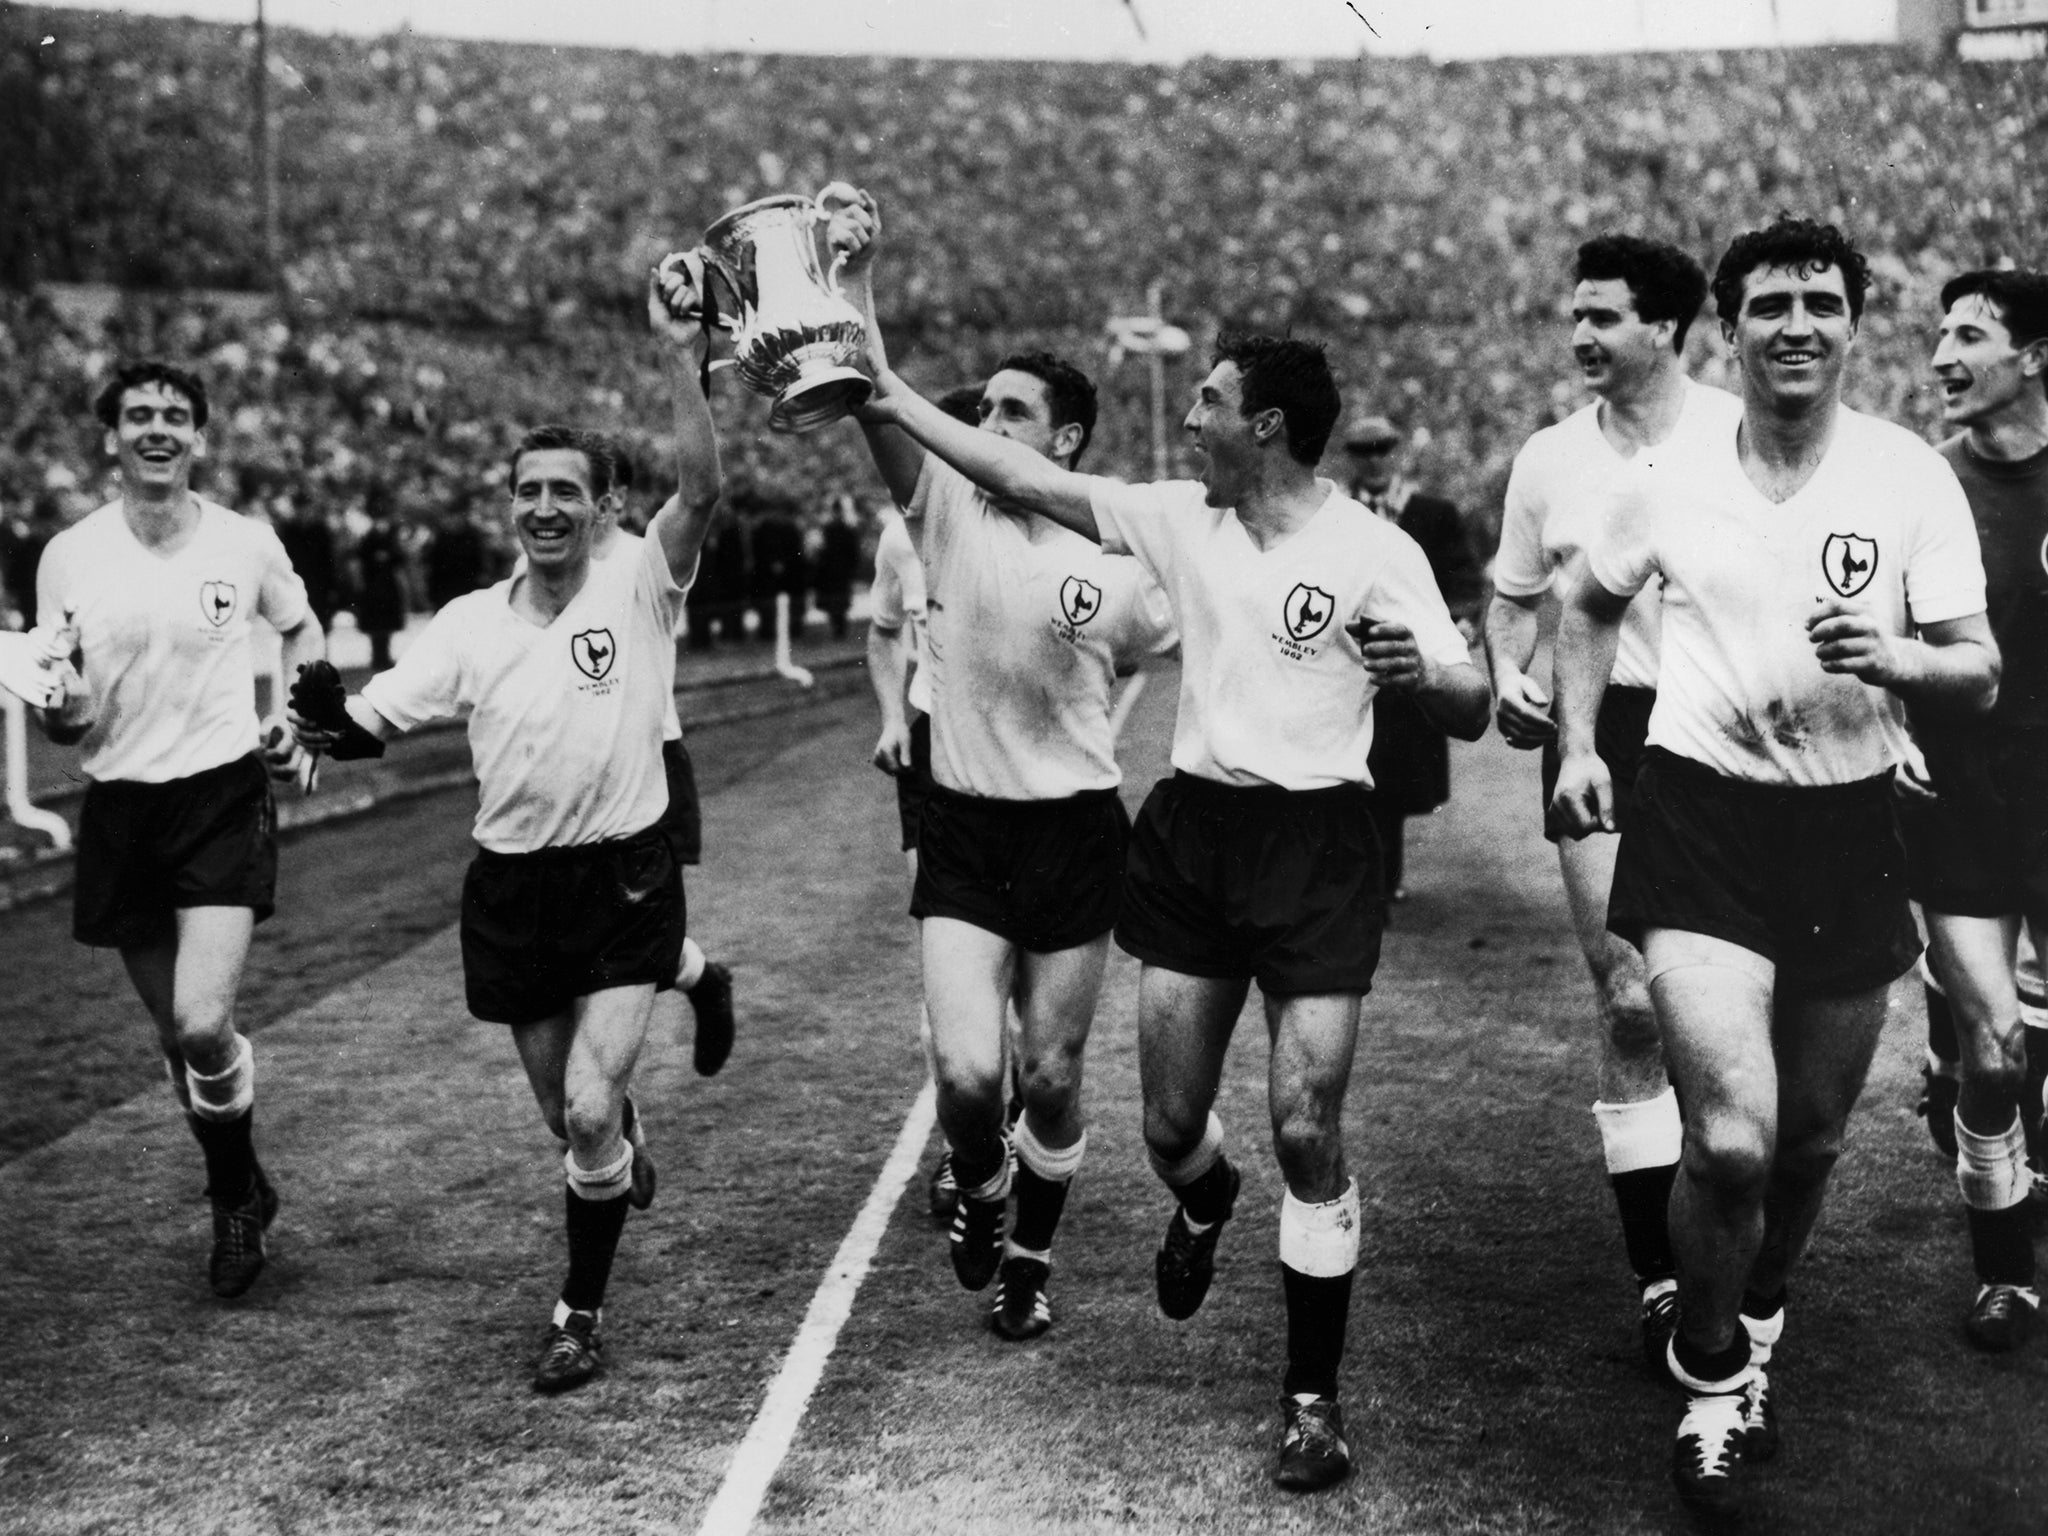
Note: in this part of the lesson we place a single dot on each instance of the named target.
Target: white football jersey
(166, 637)
(565, 721)
(1027, 623)
(1556, 500)
(1273, 689)
(1882, 523)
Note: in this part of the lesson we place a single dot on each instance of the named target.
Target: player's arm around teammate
(1256, 861)
(1761, 874)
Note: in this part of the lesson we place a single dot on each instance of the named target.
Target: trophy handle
(821, 213)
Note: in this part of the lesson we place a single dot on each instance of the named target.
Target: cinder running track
(376, 1377)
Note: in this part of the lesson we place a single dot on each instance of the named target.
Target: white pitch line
(768, 1439)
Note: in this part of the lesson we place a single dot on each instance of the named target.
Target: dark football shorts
(147, 850)
(1046, 875)
(1281, 886)
(1619, 734)
(915, 781)
(540, 930)
(1812, 879)
(683, 822)
(1981, 848)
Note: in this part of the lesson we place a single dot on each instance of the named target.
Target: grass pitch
(376, 1377)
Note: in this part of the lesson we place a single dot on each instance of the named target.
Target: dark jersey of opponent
(2009, 502)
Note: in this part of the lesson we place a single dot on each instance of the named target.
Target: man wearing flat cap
(1410, 761)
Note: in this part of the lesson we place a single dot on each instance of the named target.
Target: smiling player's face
(554, 514)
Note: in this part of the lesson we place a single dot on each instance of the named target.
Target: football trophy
(773, 284)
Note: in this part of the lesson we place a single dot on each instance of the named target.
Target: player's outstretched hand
(1584, 799)
(1391, 655)
(1848, 639)
(320, 719)
(1522, 711)
(853, 224)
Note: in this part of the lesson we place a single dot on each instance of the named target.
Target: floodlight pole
(1157, 364)
(266, 156)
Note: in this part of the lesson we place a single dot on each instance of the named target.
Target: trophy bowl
(795, 335)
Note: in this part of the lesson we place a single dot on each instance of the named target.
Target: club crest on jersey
(217, 601)
(1307, 611)
(593, 651)
(1080, 600)
(1848, 561)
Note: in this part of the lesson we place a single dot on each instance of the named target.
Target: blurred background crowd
(466, 227)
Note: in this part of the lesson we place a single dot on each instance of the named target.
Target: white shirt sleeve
(885, 598)
(1404, 591)
(657, 583)
(280, 595)
(425, 684)
(1137, 520)
(1944, 565)
(1519, 568)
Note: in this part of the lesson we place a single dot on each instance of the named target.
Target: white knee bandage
(226, 1095)
(1198, 1162)
(1642, 1135)
(606, 1183)
(1991, 1171)
(1054, 1164)
(1321, 1239)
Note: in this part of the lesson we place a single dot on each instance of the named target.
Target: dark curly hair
(1292, 376)
(153, 371)
(1798, 245)
(1666, 283)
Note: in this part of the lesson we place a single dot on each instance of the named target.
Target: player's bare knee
(1731, 1154)
(1174, 1130)
(590, 1119)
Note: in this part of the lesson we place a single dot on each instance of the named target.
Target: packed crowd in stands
(467, 226)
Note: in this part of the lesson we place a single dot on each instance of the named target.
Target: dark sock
(594, 1228)
(1644, 1198)
(1761, 1307)
(972, 1175)
(1318, 1308)
(1039, 1203)
(1941, 1027)
(2002, 1244)
(1207, 1200)
(1720, 1366)
(230, 1150)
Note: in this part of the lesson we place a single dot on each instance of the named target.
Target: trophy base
(821, 397)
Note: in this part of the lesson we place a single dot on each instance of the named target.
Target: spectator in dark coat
(838, 562)
(455, 559)
(1410, 760)
(380, 577)
(309, 544)
(777, 547)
